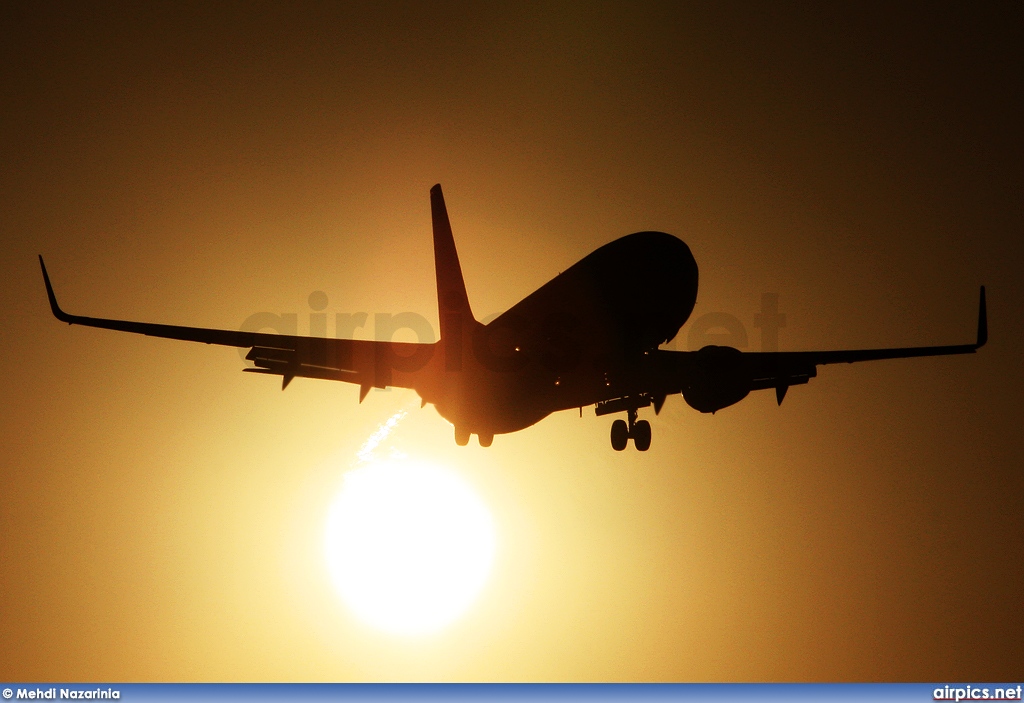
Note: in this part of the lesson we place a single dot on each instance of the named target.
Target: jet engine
(717, 379)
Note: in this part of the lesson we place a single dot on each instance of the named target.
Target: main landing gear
(638, 431)
(462, 437)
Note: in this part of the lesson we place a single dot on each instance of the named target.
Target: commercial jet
(588, 337)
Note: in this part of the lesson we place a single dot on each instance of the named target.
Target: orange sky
(160, 512)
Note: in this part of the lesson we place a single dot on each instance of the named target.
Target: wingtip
(982, 321)
(54, 307)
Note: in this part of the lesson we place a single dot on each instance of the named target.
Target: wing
(779, 370)
(715, 377)
(370, 364)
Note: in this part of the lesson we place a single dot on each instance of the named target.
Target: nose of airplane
(648, 280)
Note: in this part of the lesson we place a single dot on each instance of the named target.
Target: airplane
(590, 336)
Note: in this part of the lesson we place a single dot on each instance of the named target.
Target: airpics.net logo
(719, 328)
(969, 692)
(559, 332)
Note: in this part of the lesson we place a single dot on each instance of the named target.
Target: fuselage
(573, 342)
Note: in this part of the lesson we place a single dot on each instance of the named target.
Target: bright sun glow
(409, 545)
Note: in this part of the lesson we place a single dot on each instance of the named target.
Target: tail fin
(452, 303)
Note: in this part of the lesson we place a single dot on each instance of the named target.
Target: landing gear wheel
(642, 435)
(461, 436)
(620, 435)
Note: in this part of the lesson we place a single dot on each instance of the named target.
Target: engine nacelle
(717, 379)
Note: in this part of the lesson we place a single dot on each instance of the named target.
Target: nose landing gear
(638, 431)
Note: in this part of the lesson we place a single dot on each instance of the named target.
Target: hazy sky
(161, 512)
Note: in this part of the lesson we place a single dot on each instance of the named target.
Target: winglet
(982, 321)
(57, 312)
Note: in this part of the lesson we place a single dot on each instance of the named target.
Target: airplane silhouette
(590, 336)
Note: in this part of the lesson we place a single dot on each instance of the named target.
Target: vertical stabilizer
(452, 303)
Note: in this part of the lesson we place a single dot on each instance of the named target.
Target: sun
(409, 545)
